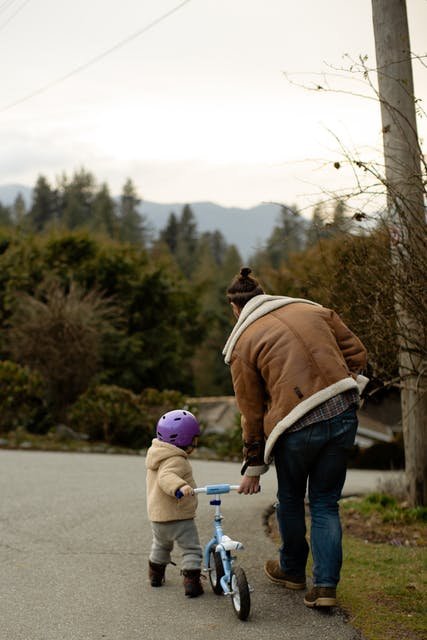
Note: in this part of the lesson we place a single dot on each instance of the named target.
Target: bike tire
(216, 571)
(241, 598)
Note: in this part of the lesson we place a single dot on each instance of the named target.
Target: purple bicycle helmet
(178, 427)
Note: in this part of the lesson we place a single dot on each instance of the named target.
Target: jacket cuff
(362, 381)
(255, 471)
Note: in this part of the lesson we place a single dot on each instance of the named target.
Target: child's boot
(156, 573)
(192, 585)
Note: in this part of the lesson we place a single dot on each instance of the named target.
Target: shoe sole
(296, 586)
(321, 602)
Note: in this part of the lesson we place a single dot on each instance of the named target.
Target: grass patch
(384, 578)
(383, 587)
(388, 509)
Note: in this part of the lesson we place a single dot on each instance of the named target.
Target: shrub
(119, 417)
(22, 398)
(152, 341)
(112, 414)
(59, 332)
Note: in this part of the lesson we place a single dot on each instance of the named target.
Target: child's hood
(160, 451)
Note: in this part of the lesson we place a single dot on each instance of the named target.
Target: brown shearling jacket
(284, 363)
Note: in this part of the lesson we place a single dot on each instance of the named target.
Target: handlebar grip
(179, 494)
(212, 489)
(217, 488)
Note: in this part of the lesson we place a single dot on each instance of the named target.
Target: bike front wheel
(240, 599)
(216, 571)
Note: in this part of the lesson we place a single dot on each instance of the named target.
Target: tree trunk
(406, 217)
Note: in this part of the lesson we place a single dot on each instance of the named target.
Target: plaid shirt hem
(329, 409)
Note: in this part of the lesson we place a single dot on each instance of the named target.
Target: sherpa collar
(256, 308)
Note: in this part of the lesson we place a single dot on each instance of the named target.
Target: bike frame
(222, 543)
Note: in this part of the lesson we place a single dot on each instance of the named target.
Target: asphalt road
(74, 544)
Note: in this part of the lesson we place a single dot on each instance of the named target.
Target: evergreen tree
(44, 205)
(211, 248)
(211, 377)
(187, 242)
(104, 218)
(131, 228)
(286, 238)
(169, 235)
(231, 264)
(340, 222)
(5, 217)
(317, 229)
(218, 246)
(77, 199)
(19, 209)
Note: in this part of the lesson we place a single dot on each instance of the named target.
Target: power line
(4, 6)
(97, 58)
(6, 22)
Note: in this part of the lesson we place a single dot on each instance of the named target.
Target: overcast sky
(198, 106)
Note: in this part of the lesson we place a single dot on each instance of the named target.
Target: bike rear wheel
(241, 599)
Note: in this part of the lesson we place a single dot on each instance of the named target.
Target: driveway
(74, 544)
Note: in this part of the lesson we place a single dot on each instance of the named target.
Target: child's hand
(186, 490)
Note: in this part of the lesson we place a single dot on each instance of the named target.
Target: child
(172, 520)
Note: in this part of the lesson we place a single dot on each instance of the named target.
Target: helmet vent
(171, 436)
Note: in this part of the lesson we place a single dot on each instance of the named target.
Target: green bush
(158, 324)
(119, 417)
(59, 332)
(158, 402)
(22, 399)
(111, 414)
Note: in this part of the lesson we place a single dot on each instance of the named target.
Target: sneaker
(156, 574)
(321, 597)
(192, 585)
(275, 573)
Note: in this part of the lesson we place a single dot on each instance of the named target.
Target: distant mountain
(246, 228)
(8, 193)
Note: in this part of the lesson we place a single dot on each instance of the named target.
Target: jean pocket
(345, 427)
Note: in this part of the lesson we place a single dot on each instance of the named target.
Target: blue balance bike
(225, 578)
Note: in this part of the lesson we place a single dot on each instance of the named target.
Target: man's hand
(249, 485)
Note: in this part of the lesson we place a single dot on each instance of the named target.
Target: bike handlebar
(211, 489)
(217, 488)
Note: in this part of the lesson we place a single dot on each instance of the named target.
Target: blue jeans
(317, 453)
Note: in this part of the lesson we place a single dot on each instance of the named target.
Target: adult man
(296, 376)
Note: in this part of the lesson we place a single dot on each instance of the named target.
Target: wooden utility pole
(406, 216)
